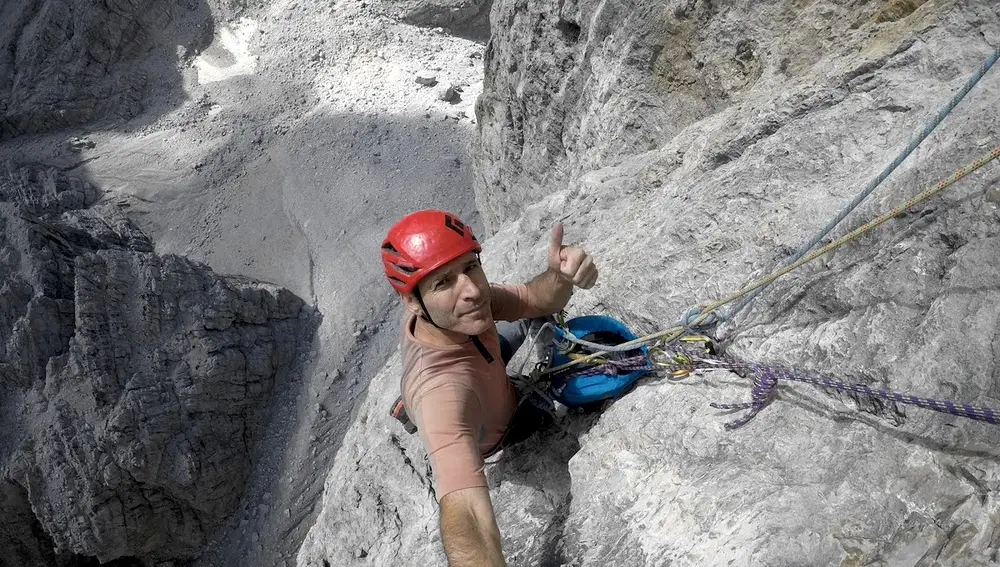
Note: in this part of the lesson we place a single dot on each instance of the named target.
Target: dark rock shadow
(65, 65)
(469, 19)
(54, 233)
(476, 29)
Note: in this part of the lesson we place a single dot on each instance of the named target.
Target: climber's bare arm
(469, 529)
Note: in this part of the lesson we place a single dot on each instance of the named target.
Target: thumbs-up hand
(571, 264)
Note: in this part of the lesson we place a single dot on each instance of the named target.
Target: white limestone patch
(388, 75)
(229, 54)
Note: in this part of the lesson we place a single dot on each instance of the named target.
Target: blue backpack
(586, 383)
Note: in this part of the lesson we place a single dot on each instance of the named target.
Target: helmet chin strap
(426, 315)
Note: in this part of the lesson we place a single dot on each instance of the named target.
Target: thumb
(555, 245)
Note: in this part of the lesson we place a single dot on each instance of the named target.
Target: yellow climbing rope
(674, 332)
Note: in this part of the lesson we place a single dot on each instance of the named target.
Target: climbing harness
(530, 391)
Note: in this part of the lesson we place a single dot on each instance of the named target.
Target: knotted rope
(767, 376)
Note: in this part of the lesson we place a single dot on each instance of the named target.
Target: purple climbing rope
(764, 385)
(611, 367)
(765, 378)
(765, 382)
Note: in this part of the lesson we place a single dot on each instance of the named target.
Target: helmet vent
(388, 247)
(408, 270)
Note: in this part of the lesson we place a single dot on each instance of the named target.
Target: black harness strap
(482, 349)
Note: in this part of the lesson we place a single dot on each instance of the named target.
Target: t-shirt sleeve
(451, 437)
(509, 301)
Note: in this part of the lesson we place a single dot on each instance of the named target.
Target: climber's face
(457, 298)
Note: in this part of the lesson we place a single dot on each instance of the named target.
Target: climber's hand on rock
(570, 263)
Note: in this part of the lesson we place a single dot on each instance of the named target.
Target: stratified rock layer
(133, 384)
(691, 147)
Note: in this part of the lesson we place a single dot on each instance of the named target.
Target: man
(454, 384)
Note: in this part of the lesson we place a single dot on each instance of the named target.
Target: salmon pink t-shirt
(459, 397)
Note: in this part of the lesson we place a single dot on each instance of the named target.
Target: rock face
(66, 63)
(691, 147)
(443, 13)
(573, 86)
(133, 384)
(378, 501)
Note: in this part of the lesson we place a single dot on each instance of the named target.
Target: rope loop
(690, 318)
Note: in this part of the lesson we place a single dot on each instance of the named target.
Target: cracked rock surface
(134, 385)
(692, 147)
(68, 63)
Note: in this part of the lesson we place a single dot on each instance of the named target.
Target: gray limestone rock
(24, 542)
(426, 79)
(133, 385)
(77, 144)
(692, 147)
(444, 13)
(450, 94)
(66, 63)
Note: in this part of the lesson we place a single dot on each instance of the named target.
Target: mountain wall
(70, 63)
(133, 385)
(692, 146)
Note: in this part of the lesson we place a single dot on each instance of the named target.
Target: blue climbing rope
(929, 127)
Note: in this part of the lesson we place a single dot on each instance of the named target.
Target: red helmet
(421, 242)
